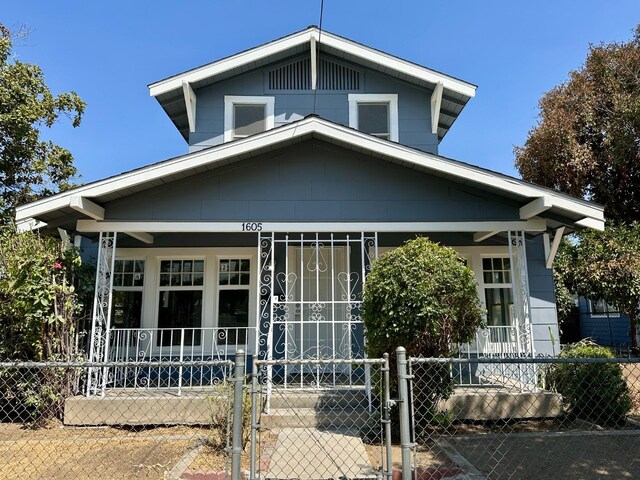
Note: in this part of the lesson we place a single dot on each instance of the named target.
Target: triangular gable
(536, 199)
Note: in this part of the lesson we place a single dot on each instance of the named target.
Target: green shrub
(594, 392)
(421, 296)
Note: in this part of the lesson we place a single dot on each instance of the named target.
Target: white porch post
(521, 296)
(101, 318)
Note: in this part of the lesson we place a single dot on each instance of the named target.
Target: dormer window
(375, 114)
(246, 116)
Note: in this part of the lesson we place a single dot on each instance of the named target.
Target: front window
(128, 283)
(496, 272)
(246, 116)
(234, 280)
(375, 114)
(180, 302)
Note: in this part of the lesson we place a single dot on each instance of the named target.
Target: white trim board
(403, 67)
(321, 128)
(89, 226)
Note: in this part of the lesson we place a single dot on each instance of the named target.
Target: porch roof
(87, 201)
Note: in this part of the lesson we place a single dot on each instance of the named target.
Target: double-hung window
(375, 114)
(246, 116)
(128, 284)
(181, 291)
(498, 294)
(234, 283)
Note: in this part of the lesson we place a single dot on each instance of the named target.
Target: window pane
(165, 265)
(233, 313)
(139, 268)
(186, 279)
(138, 279)
(198, 266)
(249, 119)
(127, 280)
(224, 265)
(186, 266)
(175, 279)
(373, 118)
(244, 279)
(126, 309)
(117, 280)
(176, 266)
(233, 265)
(198, 278)
(164, 279)
(180, 309)
(224, 279)
(499, 305)
(245, 265)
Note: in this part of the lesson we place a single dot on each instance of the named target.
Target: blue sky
(109, 51)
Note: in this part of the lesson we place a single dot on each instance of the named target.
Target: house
(604, 324)
(308, 156)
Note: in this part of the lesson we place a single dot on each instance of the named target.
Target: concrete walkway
(311, 454)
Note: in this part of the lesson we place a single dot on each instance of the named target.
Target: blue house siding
(544, 321)
(611, 330)
(414, 109)
(313, 181)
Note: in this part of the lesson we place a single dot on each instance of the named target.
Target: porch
(289, 296)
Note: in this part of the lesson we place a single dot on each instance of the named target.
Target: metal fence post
(403, 392)
(387, 415)
(254, 418)
(236, 445)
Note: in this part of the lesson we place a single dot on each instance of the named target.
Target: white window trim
(136, 288)
(252, 296)
(607, 314)
(390, 98)
(231, 100)
(151, 291)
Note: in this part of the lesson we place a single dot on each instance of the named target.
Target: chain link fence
(527, 419)
(51, 429)
(321, 419)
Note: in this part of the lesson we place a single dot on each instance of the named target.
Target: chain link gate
(321, 430)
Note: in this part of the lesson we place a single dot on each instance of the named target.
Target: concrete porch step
(319, 399)
(313, 418)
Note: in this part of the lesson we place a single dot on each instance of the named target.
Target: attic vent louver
(297, 76)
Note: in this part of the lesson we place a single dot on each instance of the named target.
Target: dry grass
(109, 453)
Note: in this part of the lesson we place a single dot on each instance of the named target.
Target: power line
(315, 90)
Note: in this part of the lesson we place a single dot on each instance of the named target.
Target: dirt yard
(108, 453)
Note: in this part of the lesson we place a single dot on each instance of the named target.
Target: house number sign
(252, 227)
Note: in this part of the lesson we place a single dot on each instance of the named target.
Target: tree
(29, 166)
(587, 140)
(421, 296)
(606, 265)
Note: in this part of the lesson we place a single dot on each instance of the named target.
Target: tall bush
(39, 313)
(596, 392)
(422, 296)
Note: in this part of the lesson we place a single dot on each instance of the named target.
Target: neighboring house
(308, 157)
(604, 324)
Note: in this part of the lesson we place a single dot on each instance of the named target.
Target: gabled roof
(535, 199)
(169, 91)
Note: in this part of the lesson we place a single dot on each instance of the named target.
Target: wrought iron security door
(311, 302)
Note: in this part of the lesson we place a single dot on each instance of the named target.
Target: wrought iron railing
(174, 344)
(504, 341)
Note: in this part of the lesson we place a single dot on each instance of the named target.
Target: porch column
(520, 290)
(101, 317)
